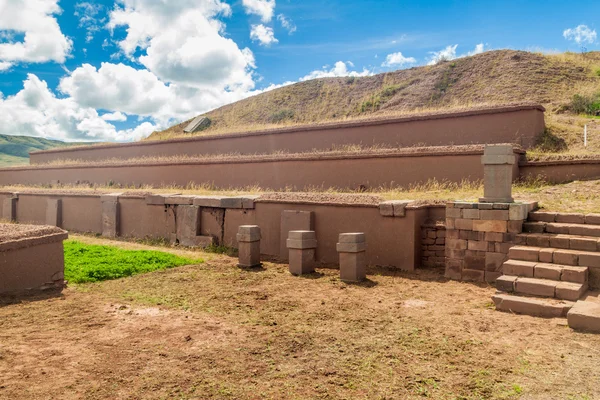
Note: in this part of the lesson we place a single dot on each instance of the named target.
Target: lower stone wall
(478, 236)
(433, 244)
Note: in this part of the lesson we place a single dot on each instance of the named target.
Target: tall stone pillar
(248, 238)
(498, 161)
(351, 248)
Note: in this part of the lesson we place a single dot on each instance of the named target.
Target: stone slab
(293, 220)
(585, 316)
(110, 219)
(531, 306)
(9, 209)
(54, 212)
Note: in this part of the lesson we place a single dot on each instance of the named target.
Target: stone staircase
(555, 261)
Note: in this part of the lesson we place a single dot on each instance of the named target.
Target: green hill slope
(14, 150)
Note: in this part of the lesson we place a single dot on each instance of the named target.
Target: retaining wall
(560, 171)
(392, 241)
(519, 124)
(344, 172)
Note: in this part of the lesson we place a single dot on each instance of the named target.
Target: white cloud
(183, 42)
(263, 34)
(88, 18)
(397, 59)
(287, 23)
(449, 53)
(581, 34)
(36, 111)
(116, 116)
(43, 40)
(339, 69)
(263, 8)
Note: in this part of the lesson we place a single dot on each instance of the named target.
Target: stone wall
(433, 244)
(478, 236)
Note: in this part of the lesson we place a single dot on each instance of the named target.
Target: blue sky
(119, 69)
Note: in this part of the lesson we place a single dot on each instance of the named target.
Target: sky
(117, 70)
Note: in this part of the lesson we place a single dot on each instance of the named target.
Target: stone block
(574, 274)
(584, 230)
(535, 287)
(187, 221)
(353, 267)
(502, 247)
(110, 197)
(386, 209)
(490, 226)
(179, 200)
(110, 219)
(453, 269)
(547, 271)
(450, 223)
(519, 268)
(471, 275)
(474, 262)
(589, 260)
(553, 227)
(585, 316)
(530, 306)
(542, 216)
(464, 204)
(477, 245)
(517, 212)
(587, 244)
(524, 253)
(506, 283)
(219, 201)
(485, 206)
(456, 244)
(494, 236)
(534, 227)
(464, 224)
(515, 226)
(158, 199)
(358, 237)
(293, 220)
(592, 219)
(54, 212)
(358, 247)
(212, 223)
(566, 257)
(500, 206)
(569, 291)
(501, 215)
(497, 163)
(546, 255)
(492, 276)
(570, 218)
(301, 261)
(249, 251)
(560, 241)
(470, 214)
(454, 253)
(538, 240)
(494, 261)
(9, 209)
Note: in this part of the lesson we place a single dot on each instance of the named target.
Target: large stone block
(54, 212)
(351, 248)
(585, 316)
(110, 219)
(293, 220)
(9, 209)
(212, 223)
(490, 226)
(497, 163)
(188, 226)
(248, 238)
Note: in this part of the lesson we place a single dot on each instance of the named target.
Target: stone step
(541, 287)
(546, 308)
(585, 316)
(555, 256)
(542, 270)
(569, 218)
(562, 228)
(560, 241)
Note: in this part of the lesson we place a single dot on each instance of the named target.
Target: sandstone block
(357, 247)
(471, 275)
(515, 226)
(565, 257)
(490, 226)
(535, 287)
(249, 250)
(560, 241)
(470, 214)
(546, 255)
(450, 223)
(569, 290)
(585, 316)
(293, 220)
(553, 227)
(54, 212)
(524, 253)
(542, 216)
(570, 218)
(501, 215)
(506, 283)
(188, 224)
(519, 268)
(491, 276)
(248, 233)
(110, 219)
(9, 209)
(575, 274)
(517, 212)
(588, 244)
(452, 212)
(538, 240)
(494, 236)
(592, 219)
(477, 245)
(494, 261)
(466, 224)
(547, 271)
(353, 266)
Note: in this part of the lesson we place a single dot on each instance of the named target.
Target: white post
(585, 136)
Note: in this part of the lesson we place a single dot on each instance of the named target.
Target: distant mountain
(14, 150)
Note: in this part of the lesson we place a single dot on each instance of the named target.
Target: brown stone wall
(433, 245)
(560, 171)
(514, 124)
(336, 172)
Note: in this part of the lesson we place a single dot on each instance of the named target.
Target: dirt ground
(215, 331)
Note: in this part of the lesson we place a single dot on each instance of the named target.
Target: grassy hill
(494, 77)
(14, 150)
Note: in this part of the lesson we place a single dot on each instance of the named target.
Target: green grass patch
(93, 263)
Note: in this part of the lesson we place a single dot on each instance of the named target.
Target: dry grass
(579, 196)
(213, 331)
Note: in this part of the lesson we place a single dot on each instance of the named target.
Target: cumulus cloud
(449, 53)
(287, 23)
(116, 116)
(43, 39)
(397, 59)
(263, 34)
(580, 34)
(340, 68)
(263, 8)
(36, 111)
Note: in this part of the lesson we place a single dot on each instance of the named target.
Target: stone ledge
(394, 208)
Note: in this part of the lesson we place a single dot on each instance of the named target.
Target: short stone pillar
(498, 161)
(110, 215)
(352, 248)
(248, 238)
(54, 212)
(301, 246)
(9, 209)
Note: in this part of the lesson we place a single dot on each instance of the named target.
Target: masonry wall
(514, 124)
(347, 172)
(560, 171)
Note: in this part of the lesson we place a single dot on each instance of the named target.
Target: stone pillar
(9, 209)
(352, 247)
(293, 220)
(110, 215)
(301, 247)
(54, 212)
(248, 238)
(498, 161)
